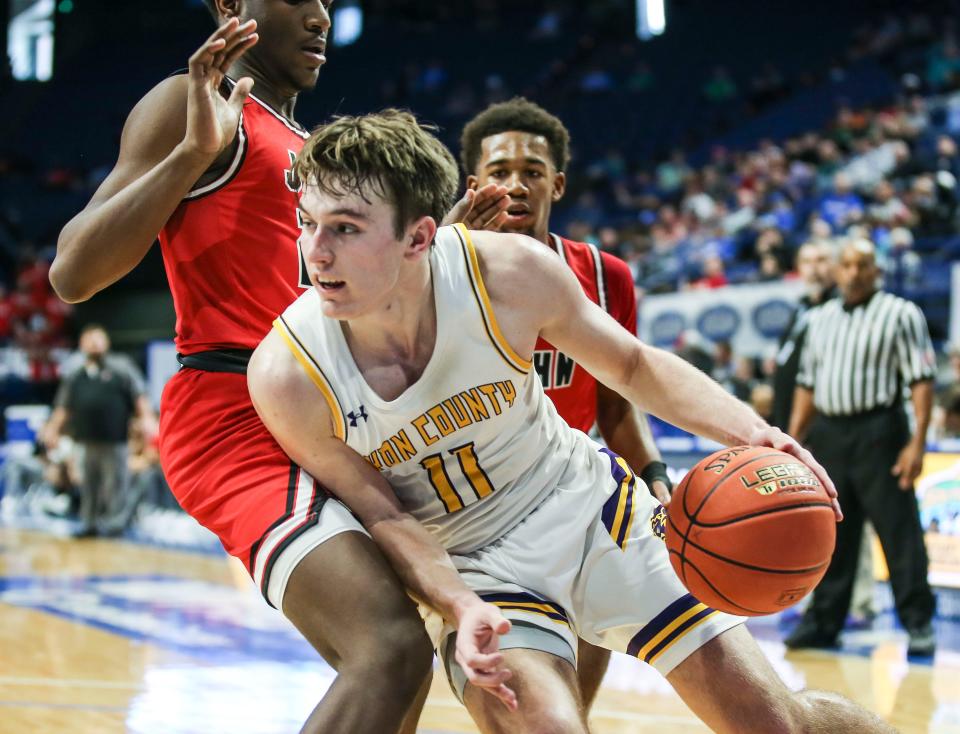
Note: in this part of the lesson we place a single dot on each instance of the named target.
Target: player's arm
(179, 130)
(625, 429)
(295, 413)
(652, 379)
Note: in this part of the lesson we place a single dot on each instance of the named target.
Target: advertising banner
(751, 317)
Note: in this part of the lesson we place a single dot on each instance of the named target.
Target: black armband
(656, 471)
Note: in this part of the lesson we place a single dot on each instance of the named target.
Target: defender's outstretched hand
(775, 438)
(478, 645)
(483, 208)
(212, 121)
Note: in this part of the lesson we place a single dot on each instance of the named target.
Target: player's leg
(305, 551)
(732, 687)
(548, 697)
(349, 604)
(592, 662)
(416, 708)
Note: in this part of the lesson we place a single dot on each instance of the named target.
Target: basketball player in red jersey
(206, 163)
(522, 147)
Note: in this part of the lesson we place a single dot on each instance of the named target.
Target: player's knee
(558, 716)
(402, 649)
(555, 722)
(785, 716)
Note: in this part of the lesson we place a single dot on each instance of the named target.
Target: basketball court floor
(106, 636)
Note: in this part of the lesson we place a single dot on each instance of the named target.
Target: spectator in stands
(94, 406)
(714, 273)
(933, 199)
(720, 87)
(842, 206)
(887, 210)
(901, 265)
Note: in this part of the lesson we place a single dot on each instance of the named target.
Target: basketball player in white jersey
(403, 378)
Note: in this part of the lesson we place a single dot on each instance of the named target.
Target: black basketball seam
(720, 593)
(760, 513)
(692, 518)
(756, 568)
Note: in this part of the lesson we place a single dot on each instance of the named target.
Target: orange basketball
(751, 530)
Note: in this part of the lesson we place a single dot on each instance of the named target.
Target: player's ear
(473, 182)
(420, 236)
(559, 186)
(229, 8)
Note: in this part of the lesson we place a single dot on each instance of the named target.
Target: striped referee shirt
(860, 358)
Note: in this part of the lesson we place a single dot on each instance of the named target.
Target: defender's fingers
(237, 51)
(216, 39)
(233, 39)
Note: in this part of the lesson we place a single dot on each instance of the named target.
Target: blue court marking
(217, 623)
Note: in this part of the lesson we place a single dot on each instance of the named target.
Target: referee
(861, 350)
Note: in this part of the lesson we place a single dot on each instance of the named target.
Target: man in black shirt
(94, 405)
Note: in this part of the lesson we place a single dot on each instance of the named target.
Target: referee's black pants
(858, 453)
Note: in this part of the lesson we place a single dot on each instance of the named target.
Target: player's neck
(264, 88)
(403, 329)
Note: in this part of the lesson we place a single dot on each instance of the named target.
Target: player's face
(293, 39)
(353, 256)
(521, 162)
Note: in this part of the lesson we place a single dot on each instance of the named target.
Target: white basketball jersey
(474, 445)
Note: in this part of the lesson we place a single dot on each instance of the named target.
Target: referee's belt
(218, 360)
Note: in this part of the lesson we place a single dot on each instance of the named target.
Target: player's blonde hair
(389, 153)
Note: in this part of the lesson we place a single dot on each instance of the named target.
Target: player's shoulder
(166, 100)
(273, 371)
(510, 256)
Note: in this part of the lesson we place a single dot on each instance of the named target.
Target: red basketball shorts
(228, 473)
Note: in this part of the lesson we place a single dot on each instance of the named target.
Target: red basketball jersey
(608, 282)
(230, 248)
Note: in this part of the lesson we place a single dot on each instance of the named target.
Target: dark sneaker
(84, 533)
(923, 643)
(807, 635)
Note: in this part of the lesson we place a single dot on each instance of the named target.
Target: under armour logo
(355, 417)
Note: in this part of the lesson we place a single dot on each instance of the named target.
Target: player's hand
(775, 438)
(478, 651)
(483, 208)
(659, 490)
(212, 121)
(655, 476)
(909, 465)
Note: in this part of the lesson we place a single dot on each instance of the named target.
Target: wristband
(656, 471)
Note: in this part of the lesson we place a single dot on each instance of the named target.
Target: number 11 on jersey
(473, 475)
